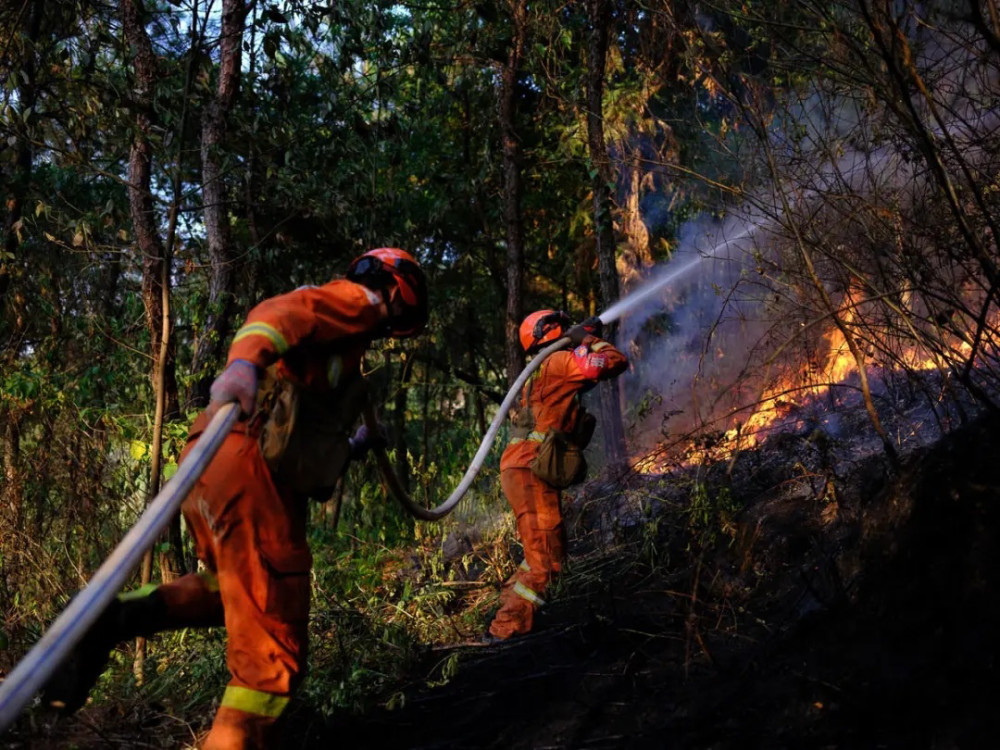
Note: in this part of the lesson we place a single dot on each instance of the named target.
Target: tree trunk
(222, 283)
(172, 563)
(513, 220)
(402, 466)
(599, 14)
(633, 227)
(155, 255)
(11, 493)
(155, 266)
(12, 299)
(253, 184)
(15, 185)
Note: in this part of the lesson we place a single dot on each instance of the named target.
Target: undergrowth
(377, 609)
(389, 592)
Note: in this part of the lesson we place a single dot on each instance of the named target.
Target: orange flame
(813, 382)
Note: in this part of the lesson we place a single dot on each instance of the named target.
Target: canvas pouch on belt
(304, 437)
(560, 460)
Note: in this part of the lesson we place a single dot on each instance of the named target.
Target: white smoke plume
(732, 310)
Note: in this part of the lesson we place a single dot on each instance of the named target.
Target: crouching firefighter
(545, 454)
(294, 369)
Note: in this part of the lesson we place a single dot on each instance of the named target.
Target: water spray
(651, 287)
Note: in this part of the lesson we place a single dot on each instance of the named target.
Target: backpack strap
(524, 418)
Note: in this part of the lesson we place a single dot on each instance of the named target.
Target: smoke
(859, 191)
(693, 327)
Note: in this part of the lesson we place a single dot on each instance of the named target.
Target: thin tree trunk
(222, 283)
(633, 227)
(14, 193)
(155, 283)
(11, 495)
(599, 14)
(513, 219)
(16, 189)
(399, 422)
(251, 191)
(172, 563)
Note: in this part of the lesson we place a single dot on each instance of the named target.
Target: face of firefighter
(403, 318)
(383, 309)
(397, 307)
(393, 309)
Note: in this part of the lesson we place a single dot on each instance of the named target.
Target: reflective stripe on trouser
(191, 601)
(252, 536)
(244, 720)
(539, 525)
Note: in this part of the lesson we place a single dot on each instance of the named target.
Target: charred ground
(855, 605)
(807, 594)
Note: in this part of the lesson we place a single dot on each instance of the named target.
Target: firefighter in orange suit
(550, 403)
(294, 368)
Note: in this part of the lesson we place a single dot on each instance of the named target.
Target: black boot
(124, 619)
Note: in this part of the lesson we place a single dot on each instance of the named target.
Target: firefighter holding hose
(294, 369)
(545, 454)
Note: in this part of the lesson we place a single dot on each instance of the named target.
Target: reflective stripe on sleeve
(139, 593)
(267, 331)
(533, 436)
(254, 701)
(525, 593)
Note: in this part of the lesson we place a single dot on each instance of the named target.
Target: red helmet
(542, 327)
(378, 269)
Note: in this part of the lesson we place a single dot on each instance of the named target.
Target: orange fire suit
(250, 529)
(553, 397)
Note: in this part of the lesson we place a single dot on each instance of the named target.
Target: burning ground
(804, 593)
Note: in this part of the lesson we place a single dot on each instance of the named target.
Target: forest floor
(806, 594)
(854, 608)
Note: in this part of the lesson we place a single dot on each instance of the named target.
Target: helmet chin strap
(387, 301)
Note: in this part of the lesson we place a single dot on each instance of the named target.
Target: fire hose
(395, 487)
(38, 665)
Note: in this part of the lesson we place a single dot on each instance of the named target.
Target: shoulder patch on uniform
(581, 351)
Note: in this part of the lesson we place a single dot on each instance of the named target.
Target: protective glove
(238, 382)
(590, 327)
(363, 440)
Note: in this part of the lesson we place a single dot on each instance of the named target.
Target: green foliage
(711, 515)
(355, 125)
(375, 609)
(183, 670)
